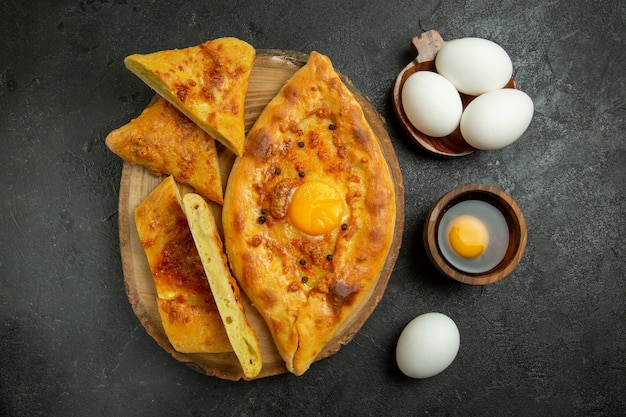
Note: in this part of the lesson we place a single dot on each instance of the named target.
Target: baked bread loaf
(208, 83)
(309, 212)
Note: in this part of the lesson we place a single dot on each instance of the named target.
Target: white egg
(474, 65)
(431, 103)
(427, 345)
(496, 119)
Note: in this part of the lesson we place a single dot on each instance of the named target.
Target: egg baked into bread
(165, 141)
(309, 212)
(208, 83)
(185, 302)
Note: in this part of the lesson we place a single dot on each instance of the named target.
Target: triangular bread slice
(225, 290)
(190, 317)
(165, 141)
(208, 83)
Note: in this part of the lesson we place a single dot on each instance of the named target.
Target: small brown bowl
(425, 47)
(514, 218)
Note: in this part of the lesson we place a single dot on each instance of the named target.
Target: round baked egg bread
(309, 212)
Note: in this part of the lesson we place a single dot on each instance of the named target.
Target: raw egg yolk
(468, 236)
(316, 208)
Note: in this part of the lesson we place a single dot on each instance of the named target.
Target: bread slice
(166, 141)
(208, 83)
(225, 290)
(189, 315)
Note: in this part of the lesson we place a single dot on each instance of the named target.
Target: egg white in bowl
(467, 249)
(459, 251)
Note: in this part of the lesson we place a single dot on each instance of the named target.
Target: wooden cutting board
(271, 69)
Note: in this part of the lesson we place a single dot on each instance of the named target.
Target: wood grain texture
(425, 47)
(272, 68)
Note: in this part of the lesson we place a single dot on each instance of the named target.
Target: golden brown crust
(191, 328)
(208, 83)
(189, 314)
(306, 287)
(165, 141)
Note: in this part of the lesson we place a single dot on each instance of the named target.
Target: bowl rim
(518, 234)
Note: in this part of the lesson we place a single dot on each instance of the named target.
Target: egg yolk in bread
(316, 208)
(468, 236)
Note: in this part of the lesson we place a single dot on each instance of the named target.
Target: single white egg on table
(431, 103)
(427, 345)
(474, 65)
(496, 119)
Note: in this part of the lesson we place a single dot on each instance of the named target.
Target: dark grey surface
(548, 340)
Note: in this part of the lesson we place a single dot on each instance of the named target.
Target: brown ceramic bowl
(515, 221)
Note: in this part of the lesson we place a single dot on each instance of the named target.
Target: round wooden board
(271, 69)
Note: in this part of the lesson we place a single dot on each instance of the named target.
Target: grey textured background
(549, 340)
